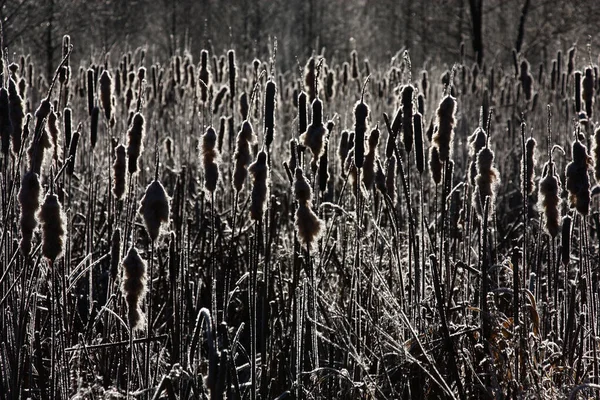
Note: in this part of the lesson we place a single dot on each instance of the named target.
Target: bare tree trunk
(521, 34)
(476, 7)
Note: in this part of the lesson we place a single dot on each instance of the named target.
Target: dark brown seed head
(210, 160)
(17, 116)
(445, 122)
(549, 199)
(135, 144)
(119, 170)
(242, 155)
(259, 170)
(29, 202)
(407, 117)
(53, 228)
(133, 287)
(361, 112)
(155, 209)
(106, 93)
(578, 183)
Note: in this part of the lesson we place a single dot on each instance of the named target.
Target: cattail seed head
(270, 93)
(232, 72)
(419, 148)
(577, 91)
(308, 224)
(115, 254)
(54, 134)
(390, 178)
(155, 209)
(476, 142)
(41, 140)
(549, 200)
(528, 170)
(68, 125)
(526, 80)
(578, 183)
(29, 201)
(242, 155)
(302, 113)
(244, 106)
(133, 287)
(588, 91)
(344, 148)
(17, 116)
(135, 144)
(407, 117)
(310, 76)
(368, 173)
(445, 123)
(567, 223)
(6, 126)
(210, 160)
(219, 99)
(90, 89)
(52, 220)
(486, 180)
(73, 152)
(361, 112)
(119, 169)
(435, 165)
(315, 135)
(259, 170)
(106, 93)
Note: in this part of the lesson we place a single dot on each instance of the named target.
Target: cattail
(419, 149)
(133, 287)
(90, 89)
(476, 142)
(135, 144)
(577, 91)
(29, 200)
(571, 60)
(354, 64)
(567, 223)
(259, 170)
(526, 80)
(397, 122)
(435, 165)
(421, 104)
(52, 220)
(407, 117)
(445, 127)
(486, 180)
(155, 209)
(73, 152)
(54, 134)
(6, 127)
(596, 154)
(119, 169)
(315, 135)
(210, 160)
(549, 201)
(330, 86)
(527, 170)
(310, 77)
(232, 73)
(242, 155)
(368, 174)
(94, 127)
(106, 93)
(17, 116)
(244, 106)
(115, 254)
(68, 125)
(221, 134)
(302, 113)
(270, 93)
(578, 183)
(361, 112)
(323, 169)
(204, 76)
(308, 224)
(390, 178)
(588, 92)
(344, 148)
(41, 140)
(219, 99)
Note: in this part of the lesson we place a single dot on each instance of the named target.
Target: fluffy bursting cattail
(308, 224)
(259, 170)
(242, 155)
(435, 165)
(135, 144)
(17, 116)
(315, 135)
(134, 287)
(53, 220)
(119, 169)
(476, 143)
(29, 200)
(445, 123)
(486, 180)
(54, 134)
(210, 160)
(155, 209)
(578, 182)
